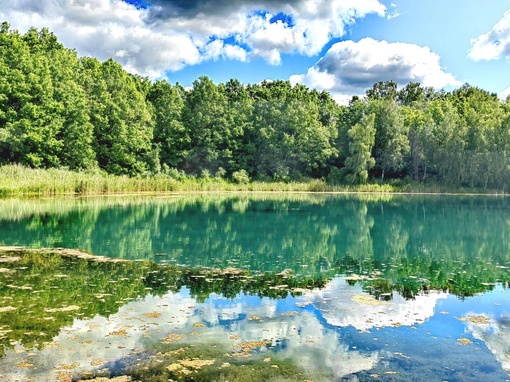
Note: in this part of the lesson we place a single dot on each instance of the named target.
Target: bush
(240, 177)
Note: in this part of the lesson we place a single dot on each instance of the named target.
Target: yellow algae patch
(104, 379)
(465, 341)
(121, 332)
(63, 309)
(366, 300)
(174, 367)
(196, 363)
(172, 352)
(9, 259)
(187, 366)
(98, 362)
(172, 338)
(7, 309)
(24, 364)
(254, 318)
(482, 320)
(68, 367)
(198, 325)
(54, 345)
(64, 376)
(4, 332)
(152, 315)
(246, 347)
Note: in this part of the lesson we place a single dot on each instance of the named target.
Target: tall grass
(17, 180)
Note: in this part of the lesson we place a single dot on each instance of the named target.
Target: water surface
(345, 287)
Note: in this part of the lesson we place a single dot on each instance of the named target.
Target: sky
(342, 46)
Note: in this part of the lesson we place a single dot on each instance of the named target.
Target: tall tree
(122, 119)
(362, 140)
(391, 142)
(382, 90)
(170, 136)
(31, 117)
(205, 116)
(419, 125)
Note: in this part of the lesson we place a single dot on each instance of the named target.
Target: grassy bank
(17, 180)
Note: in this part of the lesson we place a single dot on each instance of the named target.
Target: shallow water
(343, 287)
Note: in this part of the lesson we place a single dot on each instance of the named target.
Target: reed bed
(17, 180)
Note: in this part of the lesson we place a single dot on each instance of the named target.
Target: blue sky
(342, 46)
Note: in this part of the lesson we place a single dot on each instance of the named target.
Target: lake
(278, 287)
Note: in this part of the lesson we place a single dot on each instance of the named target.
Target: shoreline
(178, 194)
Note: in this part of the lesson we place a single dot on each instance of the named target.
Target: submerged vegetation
(101, 130)
(42, 291)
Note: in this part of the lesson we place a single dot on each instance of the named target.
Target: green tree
(391, 142)
(382, 90)
(170, 136)
(31, 118)
(362, 140)
(419, 125)
(242, 141)
(206, 118)
(122, 119)
(291, 140)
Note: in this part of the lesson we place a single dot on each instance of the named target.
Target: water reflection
(347, 287)
(343, 305)
(457, 244)
(336, 332)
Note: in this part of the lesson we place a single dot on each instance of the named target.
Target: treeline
(59, 110)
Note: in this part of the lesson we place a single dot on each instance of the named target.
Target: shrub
(240, 177)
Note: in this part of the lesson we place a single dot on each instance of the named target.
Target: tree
(241, 143)
(419, 125)
(362, 140)
(382, 90)
(206, 118)
(170, 135)
(30, 118)
(391, 142)
(290, 138)
(122, 119)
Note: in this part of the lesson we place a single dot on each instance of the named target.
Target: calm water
(345, 288)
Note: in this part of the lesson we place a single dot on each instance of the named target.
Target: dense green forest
(58, 110)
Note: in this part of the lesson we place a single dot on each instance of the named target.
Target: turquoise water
(414, 287)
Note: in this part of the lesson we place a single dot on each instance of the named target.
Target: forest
(59, 110)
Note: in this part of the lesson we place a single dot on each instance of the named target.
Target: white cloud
(173, 34)
(494, 44)
(308, 343)
(344, 305)
(349, 68)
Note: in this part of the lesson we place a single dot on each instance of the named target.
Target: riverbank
(17, 180)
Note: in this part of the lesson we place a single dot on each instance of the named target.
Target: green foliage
(391, 143)
(59, 111)
(240, 176)
(362, 137)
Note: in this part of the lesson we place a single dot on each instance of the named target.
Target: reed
(17, 180)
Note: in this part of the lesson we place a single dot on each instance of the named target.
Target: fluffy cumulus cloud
(494, 44)
(171, 34)
(349, 68)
